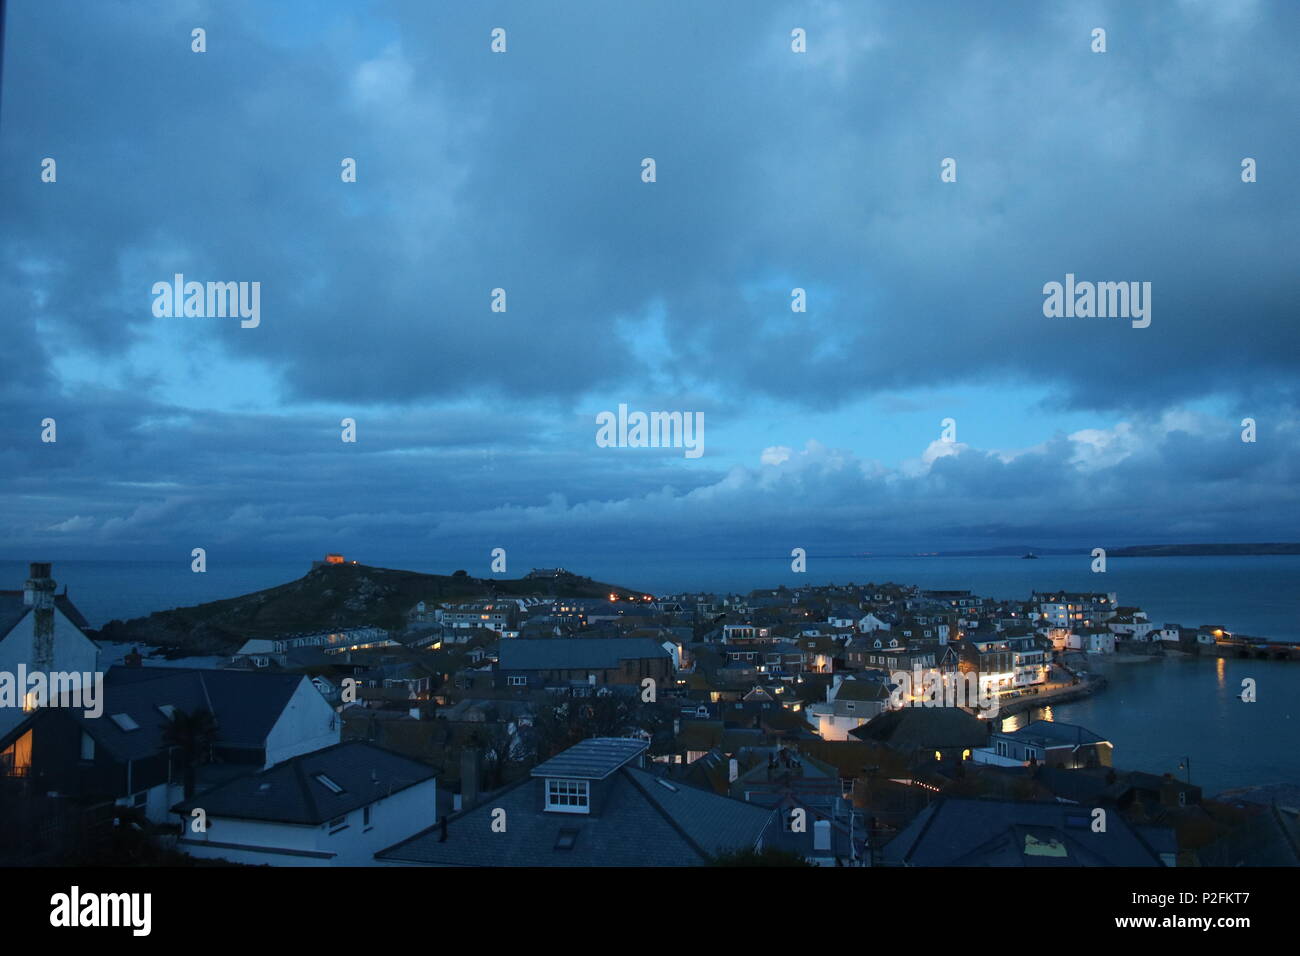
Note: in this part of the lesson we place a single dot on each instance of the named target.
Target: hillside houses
(663, 732)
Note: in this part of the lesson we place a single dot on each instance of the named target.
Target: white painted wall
(308, 723)
(392, 819)
(73, 653)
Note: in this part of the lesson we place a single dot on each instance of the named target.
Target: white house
(1092, 640)
(871, 623)
(43, 631)
(849, 704)
(332, 807)
(1133, 627)
(127, 754)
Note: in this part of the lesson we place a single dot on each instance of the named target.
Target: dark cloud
(522, 171)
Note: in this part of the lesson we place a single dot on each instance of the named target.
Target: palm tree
(192, 736)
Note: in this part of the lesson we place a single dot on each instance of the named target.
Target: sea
(1162, 716)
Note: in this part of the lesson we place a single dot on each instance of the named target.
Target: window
(87, 746)
(517, 680)
(567, 796)
(365, 818)
(125, 722)
(338, 824)
(138, 800)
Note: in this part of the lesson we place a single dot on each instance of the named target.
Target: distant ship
(1029, 555)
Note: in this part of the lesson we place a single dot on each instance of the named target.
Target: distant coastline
(1203, 550)
(1236, 549)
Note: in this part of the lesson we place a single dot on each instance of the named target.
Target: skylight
(328, 783)
(125, 722)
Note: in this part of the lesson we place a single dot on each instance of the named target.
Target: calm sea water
(1160, 714)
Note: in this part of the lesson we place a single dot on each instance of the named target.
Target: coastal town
(867, 725)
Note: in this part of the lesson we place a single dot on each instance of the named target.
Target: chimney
(822, 835)
(468, 777)
(442, 830)
(39, 590)
(133, 659)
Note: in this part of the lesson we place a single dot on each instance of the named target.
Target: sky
(523, 170)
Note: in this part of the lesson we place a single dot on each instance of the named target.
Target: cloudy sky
(523, 171)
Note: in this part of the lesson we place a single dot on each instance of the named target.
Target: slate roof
(576, 653)
(291, 791)
(246, 704)
(926, 728)
(1270, 838)
(862, 690)
(13, 610)
(1052, 733)
(965, 832)
(592, 759)
(642, 822)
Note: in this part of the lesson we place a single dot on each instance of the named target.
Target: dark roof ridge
(934, 812)
(704, 854)
(459, 814)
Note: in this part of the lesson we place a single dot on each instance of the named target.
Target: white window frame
(568, 795)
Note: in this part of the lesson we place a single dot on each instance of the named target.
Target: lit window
(567, 796)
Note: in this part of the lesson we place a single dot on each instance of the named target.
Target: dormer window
(568, 796)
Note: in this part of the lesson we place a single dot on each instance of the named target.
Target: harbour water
(1158, 714)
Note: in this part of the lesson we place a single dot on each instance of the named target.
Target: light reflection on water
(1158, 713)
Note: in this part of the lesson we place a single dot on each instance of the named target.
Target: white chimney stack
(38, 592)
